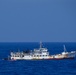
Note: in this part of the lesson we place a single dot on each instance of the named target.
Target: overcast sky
(37, 20)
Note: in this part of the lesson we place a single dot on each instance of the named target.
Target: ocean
(37, 67)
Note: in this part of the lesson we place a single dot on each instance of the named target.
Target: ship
(39, 54)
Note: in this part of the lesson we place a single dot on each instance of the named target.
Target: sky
(37, 20)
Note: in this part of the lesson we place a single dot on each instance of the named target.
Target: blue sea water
(37, 67)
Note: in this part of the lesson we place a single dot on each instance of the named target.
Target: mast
(40, 44)
(65, 48)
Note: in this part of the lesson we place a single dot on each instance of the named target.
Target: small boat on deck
(65, 54)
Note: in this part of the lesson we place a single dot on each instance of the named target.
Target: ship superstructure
(40, 53)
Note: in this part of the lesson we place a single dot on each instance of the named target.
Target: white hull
(58, 56)
(29, 58)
